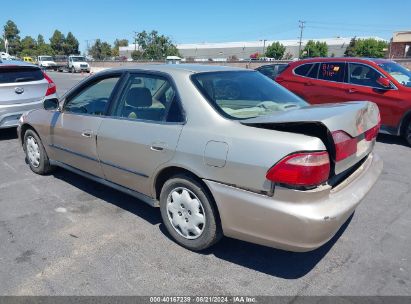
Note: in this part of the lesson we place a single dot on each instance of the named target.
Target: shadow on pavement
(279, 263)
(391, 139)
(7, 134)
(111, 196)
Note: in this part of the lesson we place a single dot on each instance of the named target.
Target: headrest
(139, 97)
(357, 71)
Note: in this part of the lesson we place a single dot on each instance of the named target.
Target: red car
(325, 80)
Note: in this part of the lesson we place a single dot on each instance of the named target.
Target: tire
(203, 228)
(36, 154)
(407, 132)
(72, 70)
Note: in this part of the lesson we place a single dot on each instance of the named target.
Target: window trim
(394, 87)
(88, 83)
(121, 92)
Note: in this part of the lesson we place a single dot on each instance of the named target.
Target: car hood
(354, 117)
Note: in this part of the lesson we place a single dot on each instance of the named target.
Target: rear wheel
(36, 154)
(72, 70)
(189, 213)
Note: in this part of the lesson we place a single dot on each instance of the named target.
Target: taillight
(344, 144)
(301, 169)
(51, 89)
(373, 132)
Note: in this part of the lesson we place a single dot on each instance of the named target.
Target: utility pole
(301, 26)
(135, 40)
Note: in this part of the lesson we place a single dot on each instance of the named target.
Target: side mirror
(51, 104)
(385, 82)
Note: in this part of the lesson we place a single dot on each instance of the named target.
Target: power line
(301, 26)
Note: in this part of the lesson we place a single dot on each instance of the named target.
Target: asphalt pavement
(65, 235)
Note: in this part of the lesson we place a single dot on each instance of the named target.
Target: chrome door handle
(352, 91)
(157, 148)
(87, 134)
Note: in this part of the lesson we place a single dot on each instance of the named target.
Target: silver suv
(23, 87)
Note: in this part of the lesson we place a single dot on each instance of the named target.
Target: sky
(208, 21)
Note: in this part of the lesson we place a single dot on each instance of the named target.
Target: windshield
(46, 58)
(245, 94)
(78, 59)
(398, 72)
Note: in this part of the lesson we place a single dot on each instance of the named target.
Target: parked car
(385, 82)
(23, 87)
(272, 70)
(46, 62)
(253, 162)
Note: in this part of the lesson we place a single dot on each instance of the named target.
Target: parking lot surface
(65, 235)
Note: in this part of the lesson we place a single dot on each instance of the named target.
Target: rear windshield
(10, 74)
(245, 94)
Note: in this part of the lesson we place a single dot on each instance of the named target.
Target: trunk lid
(354, 118)
(21, 84)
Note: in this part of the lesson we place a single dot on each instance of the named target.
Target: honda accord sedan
(221, 151)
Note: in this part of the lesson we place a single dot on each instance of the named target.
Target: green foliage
(11, 32)
(57, 43)
(366, 48)
(136, 55)
(71, 45)
(154, 46)
(275, 50)
(2, 49)
(315, 49)
(28, 46)
(117, 43)
(100, 50)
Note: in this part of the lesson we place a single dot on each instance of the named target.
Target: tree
(100, 50)
(28, 46)
(11, 32)
(136, 55)
(71, 44)
(154, 46)
(57, 43)
(40, 40)
(116, 48)
(350, 51)
(315, 49)
(370, 48)
(275, 50)
(2, 49)
(43, 48)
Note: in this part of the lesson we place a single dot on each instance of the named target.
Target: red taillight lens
(51, 89)
(344, 144)
(373, 132)
(301, 169)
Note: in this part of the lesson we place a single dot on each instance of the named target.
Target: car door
(74, 129)
(142, 131)
(327, 86)
(362, 85)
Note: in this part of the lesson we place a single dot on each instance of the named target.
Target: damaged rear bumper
(291, 219)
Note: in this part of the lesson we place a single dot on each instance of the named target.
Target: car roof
(16, 63)
(188, 68)
(345, 59)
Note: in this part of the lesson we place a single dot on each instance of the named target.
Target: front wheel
(189, 213)
(35, 154)
(407, 132)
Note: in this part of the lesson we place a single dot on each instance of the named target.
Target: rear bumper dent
(293, 220)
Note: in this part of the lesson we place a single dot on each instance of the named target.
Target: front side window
(364, 75)
(331, 71)
(149, 97)
(398, 72)
(303, 70)
(245, 94)
(93, 99)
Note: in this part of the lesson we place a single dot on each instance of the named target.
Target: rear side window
(12, 74)
(332, 71)
(303, 70)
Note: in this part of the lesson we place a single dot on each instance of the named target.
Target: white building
(221, 51)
